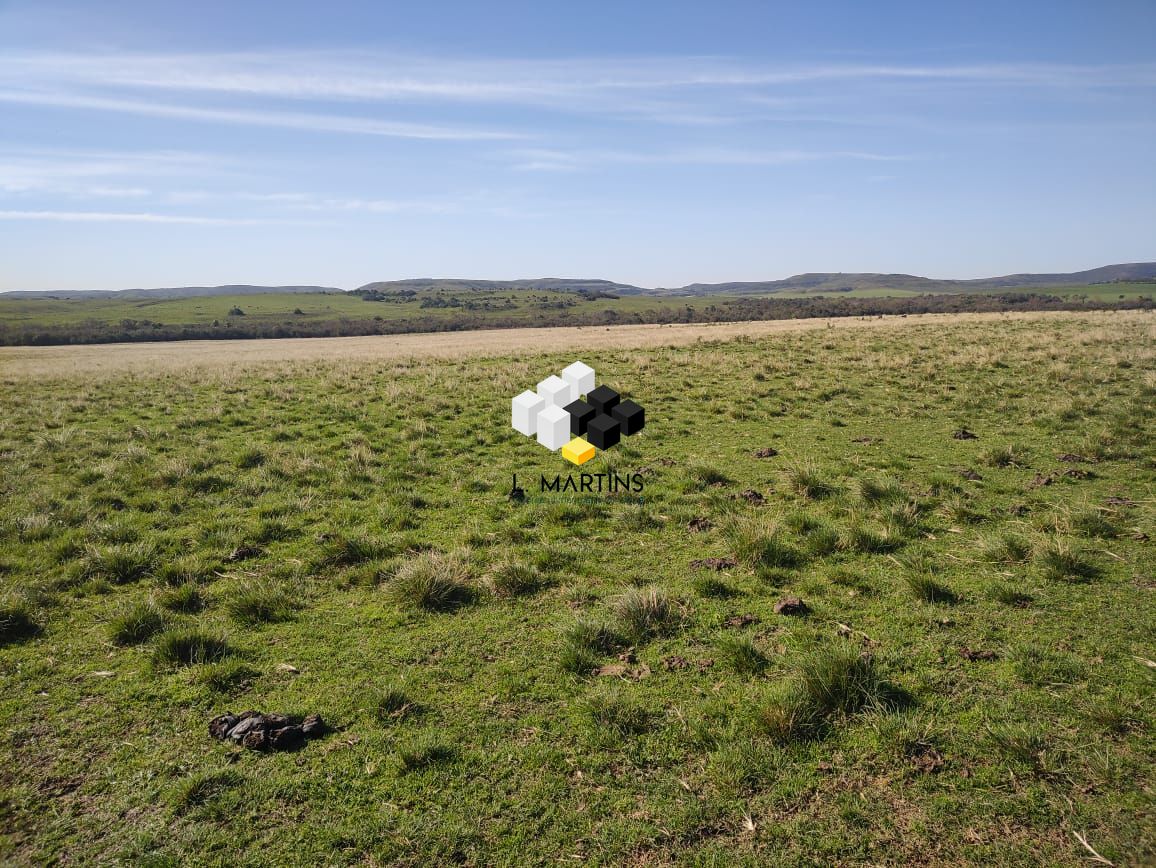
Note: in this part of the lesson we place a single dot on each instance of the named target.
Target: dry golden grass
(118, 359)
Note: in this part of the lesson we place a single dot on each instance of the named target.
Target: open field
(113, 359)
(287, 315)
(323, 526)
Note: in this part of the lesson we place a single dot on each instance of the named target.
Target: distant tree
(236, 311)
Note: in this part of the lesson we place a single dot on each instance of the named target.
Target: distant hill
(814, 282)
(169, 292)
(555, 284)
(845, 282)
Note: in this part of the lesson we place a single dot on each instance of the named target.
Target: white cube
(525, 410)
(553, 427)
(581, 376)
(556, 391)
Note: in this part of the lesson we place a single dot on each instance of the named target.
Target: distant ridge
(837, 282)
(815, 282)
(819, 282)
(556, 284)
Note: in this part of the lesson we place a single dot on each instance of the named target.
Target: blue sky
(658, 143)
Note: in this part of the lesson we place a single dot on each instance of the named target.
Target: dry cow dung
(258, 731)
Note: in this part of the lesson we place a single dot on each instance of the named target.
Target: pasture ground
(588, 678)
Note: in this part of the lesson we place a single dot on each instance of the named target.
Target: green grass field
(557, 680)
(521, 306)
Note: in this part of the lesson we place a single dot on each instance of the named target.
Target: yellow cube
(578, 451)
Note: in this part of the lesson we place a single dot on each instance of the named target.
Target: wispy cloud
(138, 217)
(253, 117)
(559, 160)
(362, 75)
(687, 91)
(89, 173)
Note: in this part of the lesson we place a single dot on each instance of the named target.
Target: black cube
(580, 415)
(630, 416)
(602, 431)
(602, 399)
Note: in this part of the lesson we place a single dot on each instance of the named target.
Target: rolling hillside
(811, 282)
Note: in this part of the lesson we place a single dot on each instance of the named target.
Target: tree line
(694, 311)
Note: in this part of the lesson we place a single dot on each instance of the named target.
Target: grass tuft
(1023, 743)
(711, 587)
(191, 647)
(432, 581)
(741, 654)
(17, 622)
(1009, 595)
(121, 564)
(186, 598)
(806, 481)
(828, 684)
(873, 490)
(1002, 456)
(1007, 548)
(260, 602)
(348, 551)
(202, 787)
(423, 753)
(613, 712)
(189, 570)
(513, 579)
(761, 544)
(393, 704)
(926, 588)
(136, 625)
(645, 613)
(1058, 561)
